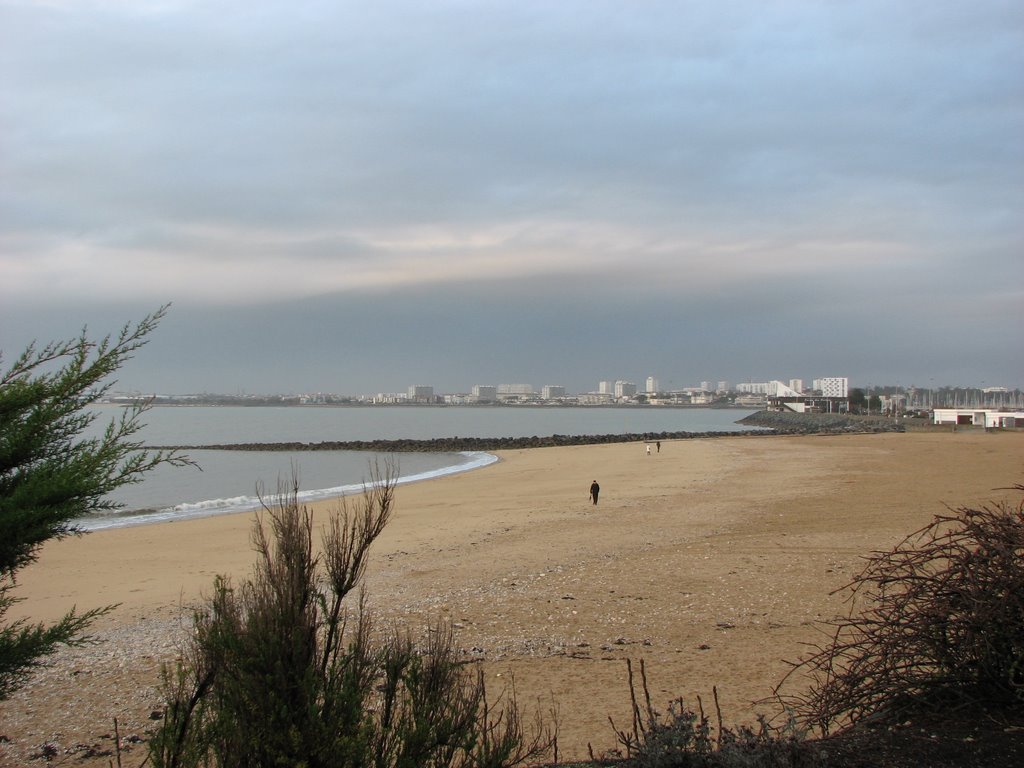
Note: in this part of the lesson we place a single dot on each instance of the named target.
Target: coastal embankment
(791, 423)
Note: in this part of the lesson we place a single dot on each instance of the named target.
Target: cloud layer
(812, 168)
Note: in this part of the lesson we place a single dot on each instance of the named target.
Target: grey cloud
(739, 170)
(531, 98)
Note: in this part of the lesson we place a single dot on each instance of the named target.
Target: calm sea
(228, 480)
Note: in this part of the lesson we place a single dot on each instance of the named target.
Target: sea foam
(210, 507)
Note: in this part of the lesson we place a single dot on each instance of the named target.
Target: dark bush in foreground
(282, 672)
(53, 472)
(683, 738)
(936, 622)
(934, 635)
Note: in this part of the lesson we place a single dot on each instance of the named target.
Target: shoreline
(277, 401)
(712, 560)
(184, 511)
(760, 424)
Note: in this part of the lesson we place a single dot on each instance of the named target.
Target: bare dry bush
(283, 671)
(686, 738)
(936, 622)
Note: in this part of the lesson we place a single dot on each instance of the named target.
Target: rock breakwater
(770, 423)
(456, 444)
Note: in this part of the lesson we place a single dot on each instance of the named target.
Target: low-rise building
(595, 398)
(390, 398)
(750, 400)
(978, 418)
(518, 390)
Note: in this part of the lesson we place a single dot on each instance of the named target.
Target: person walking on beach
(595, 489)
(658, 444)
(648, 449)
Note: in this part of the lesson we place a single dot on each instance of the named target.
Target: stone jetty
(770, 424)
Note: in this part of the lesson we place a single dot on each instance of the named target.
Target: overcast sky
(355, 197)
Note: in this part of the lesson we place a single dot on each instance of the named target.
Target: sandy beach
(710, 559)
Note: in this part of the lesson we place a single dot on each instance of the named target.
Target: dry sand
(711, 560)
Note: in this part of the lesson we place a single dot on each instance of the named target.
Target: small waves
(124, 518)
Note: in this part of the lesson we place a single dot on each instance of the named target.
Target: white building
(978, 417)
(773, 388)
(750, 400)
(753, 388)
(777, 389)
(421, 393)
(605, 388)
(552, 392)
(624, 389)
(390, 398)
(833, 386)
(652, 385)
(515, 390)
(797, 385)
(483, 393)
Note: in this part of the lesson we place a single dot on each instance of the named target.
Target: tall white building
(605, 387)
(652, 385)
(833, 386)
(625, 389)
(796, 384)
(421, 392)
(551, 392)
(483, 393)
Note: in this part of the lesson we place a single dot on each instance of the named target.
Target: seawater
(233, 481)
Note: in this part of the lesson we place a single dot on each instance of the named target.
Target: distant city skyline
(886, 399)
(554, 391)
(361, 196)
